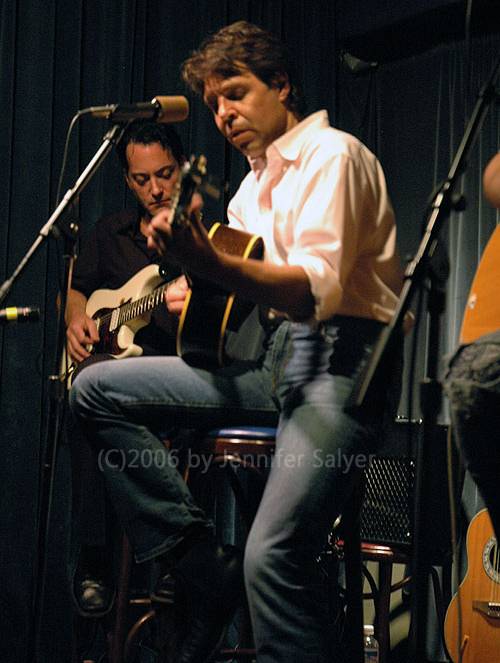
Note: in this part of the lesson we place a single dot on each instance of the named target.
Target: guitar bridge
(488, 608)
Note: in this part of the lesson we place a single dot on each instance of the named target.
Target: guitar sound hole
(491, 560)
(494, 561)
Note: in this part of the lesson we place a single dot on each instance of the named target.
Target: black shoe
(209, 609)
(171, 622)
(190, 553)
(93, 592)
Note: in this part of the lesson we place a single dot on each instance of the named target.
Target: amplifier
(387, 510)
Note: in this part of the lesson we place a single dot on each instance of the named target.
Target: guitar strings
(135, 308)
(129, 310)
(494, 560)
(496, 565)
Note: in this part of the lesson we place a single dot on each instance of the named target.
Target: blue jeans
(301, 383)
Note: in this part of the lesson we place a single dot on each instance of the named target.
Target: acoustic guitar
(479, 593)
(477, 638)
(210, 312)
(482, 311)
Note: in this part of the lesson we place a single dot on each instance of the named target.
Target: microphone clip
(14, 314)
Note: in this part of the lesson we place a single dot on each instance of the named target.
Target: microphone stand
(417, 272)
(56, 387)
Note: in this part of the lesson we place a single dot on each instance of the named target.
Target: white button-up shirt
(319, 200)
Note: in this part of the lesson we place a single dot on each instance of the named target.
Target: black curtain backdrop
(57, 57)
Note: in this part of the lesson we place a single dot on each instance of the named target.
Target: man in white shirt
(330, 274)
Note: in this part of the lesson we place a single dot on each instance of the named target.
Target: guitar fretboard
(134, 309)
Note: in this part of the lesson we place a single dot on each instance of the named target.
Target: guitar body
(480, 599)
(119, 314)
(482, 312)
(118, 339)
(211, 313)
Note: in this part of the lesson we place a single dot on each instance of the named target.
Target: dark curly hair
(243, 45)
(146, 132)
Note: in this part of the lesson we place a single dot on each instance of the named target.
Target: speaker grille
(386, 514)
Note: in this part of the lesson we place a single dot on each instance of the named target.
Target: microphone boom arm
(56, 389)
(416, 271)
(111, 138)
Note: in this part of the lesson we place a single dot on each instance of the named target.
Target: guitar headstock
(193, 177)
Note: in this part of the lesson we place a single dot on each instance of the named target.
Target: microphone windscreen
(173, 109)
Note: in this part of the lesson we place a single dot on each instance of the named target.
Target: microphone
(161, 109)
(18, 314)
(355, 65)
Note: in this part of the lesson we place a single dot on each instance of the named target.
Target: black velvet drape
(57, 57)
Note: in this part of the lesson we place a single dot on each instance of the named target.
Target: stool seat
(245, 432)
(247, 445)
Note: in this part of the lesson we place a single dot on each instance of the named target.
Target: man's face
(249, 113)
(152, 174)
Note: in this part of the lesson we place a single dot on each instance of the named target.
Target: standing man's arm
(283, 287)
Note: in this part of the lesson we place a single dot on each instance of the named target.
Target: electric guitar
(210, 314)
(119, 314)
(479, 599)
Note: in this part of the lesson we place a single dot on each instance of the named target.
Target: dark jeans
(472, 384)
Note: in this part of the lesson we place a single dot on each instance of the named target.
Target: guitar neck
(131, 310)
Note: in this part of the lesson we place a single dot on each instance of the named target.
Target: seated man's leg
(91, 574)
(473, 387)
(117, 404)
(319, 454)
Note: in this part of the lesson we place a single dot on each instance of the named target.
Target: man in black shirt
(151, 155)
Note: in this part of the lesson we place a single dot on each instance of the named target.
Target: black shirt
(112, 254)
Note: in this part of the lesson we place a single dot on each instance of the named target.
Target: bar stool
(228, 450)
(386, 556)
(252, 448)
(380, 591)
(386, 540)
(243, 455)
